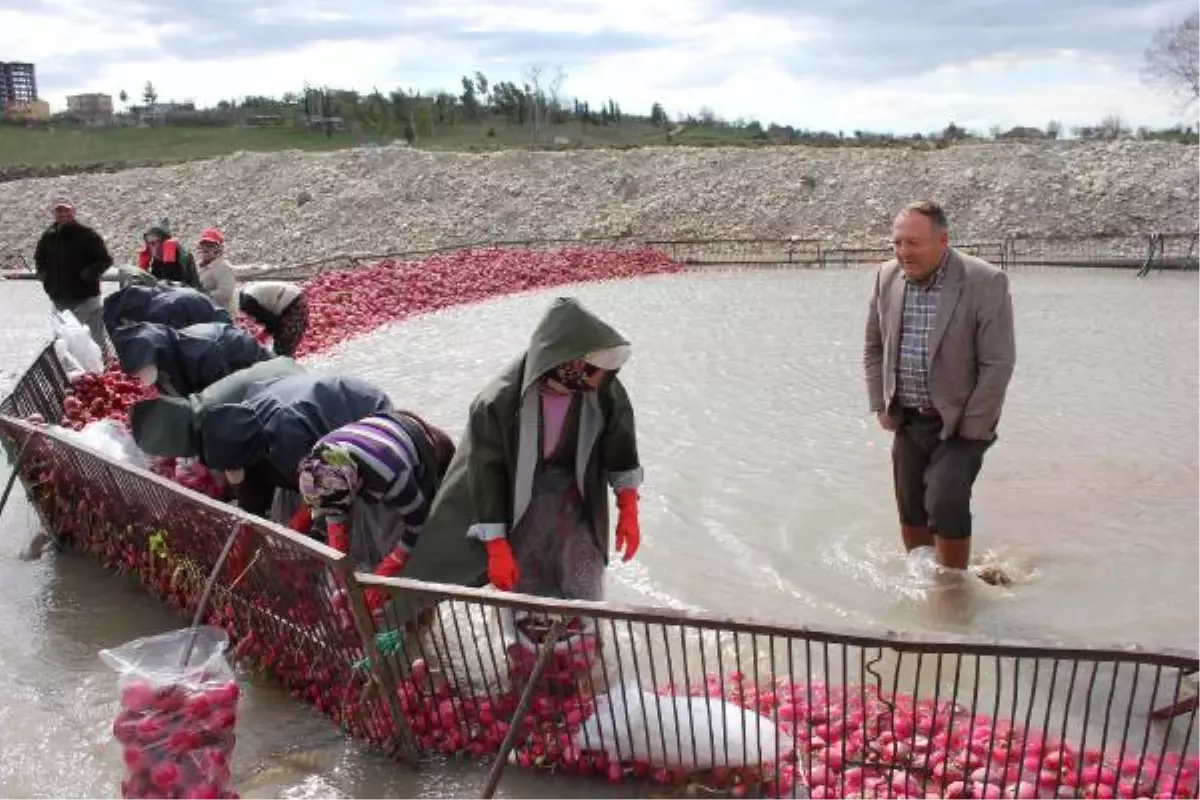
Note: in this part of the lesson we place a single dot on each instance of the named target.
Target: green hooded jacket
(489, 483)
(170, 426)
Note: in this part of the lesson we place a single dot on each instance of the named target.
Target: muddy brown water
(767, 495)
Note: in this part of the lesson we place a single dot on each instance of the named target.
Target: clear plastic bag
(113, 439)
(70, 365)
(176, 723)
(82, 347)
(633, 724)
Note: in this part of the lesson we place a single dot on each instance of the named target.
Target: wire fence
(697, 704)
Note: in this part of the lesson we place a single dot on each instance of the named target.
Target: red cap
(213, 236)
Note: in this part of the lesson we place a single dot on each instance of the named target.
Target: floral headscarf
(329, 481)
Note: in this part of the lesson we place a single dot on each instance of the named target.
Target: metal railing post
(514, 728)
(380, 669)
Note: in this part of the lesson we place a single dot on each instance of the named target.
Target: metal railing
(696, 701)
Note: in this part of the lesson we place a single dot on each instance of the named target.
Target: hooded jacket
(266, 431)
(173, 306)
(70, 259)
(169, 425)
(173, 262)
(489, 483)
(190, 359)
(163, 426)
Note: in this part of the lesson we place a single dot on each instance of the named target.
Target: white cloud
(741, 64)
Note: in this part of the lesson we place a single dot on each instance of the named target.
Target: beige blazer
(972, 348)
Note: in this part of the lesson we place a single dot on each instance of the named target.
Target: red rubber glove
(502, 566)
(338, 538)
(301, 521)
(390, 567)
(629, 532)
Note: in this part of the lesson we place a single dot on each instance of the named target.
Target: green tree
(149, 94)
(469, 99)
(658, 116)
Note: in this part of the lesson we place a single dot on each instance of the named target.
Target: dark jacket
(173, 262)
(266, 432)
(181, 270)
(70, 259)
(173, 306)
(190, 359)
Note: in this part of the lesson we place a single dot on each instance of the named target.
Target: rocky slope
(291, 207)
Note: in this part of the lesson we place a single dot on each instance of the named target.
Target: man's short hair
(931, 211)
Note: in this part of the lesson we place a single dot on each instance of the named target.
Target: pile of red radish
(177, 739)
(107, 395)
(849, 743)
(350, 303)
(853, 743)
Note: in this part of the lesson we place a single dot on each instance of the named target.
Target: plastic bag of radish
(176, 721)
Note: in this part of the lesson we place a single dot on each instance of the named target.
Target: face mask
(570, 377)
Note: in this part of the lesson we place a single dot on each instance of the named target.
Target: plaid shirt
(912, 367)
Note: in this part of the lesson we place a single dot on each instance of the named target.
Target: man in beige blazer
(938, 358)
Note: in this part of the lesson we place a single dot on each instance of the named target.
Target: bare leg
(953, 553)
(915, 536)
(950, 596)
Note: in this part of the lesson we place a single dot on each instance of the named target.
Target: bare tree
(1173, 59)
(554, 91)
(544, 88)
(1112, 127)
(533, 89)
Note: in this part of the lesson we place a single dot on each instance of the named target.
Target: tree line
(536, 104)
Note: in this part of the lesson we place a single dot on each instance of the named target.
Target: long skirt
(557, 555)
(293, 323)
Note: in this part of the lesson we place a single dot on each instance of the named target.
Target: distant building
(92, 107)
(18, 83)
(161, 112)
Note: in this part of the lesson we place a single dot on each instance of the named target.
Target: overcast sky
(898, 65)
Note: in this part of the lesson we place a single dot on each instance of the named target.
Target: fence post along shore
(696, 704)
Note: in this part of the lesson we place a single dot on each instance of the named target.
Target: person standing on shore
(70, 258)
(939, 354)
(216, 276)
